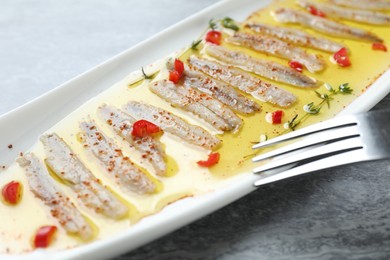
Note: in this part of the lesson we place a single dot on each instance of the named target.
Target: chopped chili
(179, 66)
(212, 160)
(44, 236)
(177, 73)
(379, 46)
(143, 128)
(214, 37)
(316, 12)
(296, 65)
(174, 76)
(277, 117)
(12, 192)
(341, 57)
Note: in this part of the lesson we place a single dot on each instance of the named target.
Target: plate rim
(200, 205)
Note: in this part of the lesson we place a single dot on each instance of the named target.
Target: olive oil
(185, 178)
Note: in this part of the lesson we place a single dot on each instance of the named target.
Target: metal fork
(343, 140)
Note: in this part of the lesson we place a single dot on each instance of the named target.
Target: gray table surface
(342, 213)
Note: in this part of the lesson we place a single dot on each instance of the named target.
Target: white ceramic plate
(23, 125)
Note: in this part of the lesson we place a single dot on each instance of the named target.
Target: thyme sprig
(229, 23)
(194, 45)
(212, 24)
(314, 109)
(145, 75)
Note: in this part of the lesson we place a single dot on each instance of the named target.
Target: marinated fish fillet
(125, 173)
(68, 167)
(201, 104)
(170, 123)
(224, 93)
(259, 89)
(297, 37)
(363, 16)
(61, 208)
(268, 69)
(274, 46)
(149, 146)
(324, 25)
(364, 4)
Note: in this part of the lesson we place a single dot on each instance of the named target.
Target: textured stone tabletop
(342, 213)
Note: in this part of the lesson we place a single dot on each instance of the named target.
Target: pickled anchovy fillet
(364, 4)
(149, 146)
(261, 90)
(125, 173)
(364, 16)
(268, 69)
(173, 124)
(68, 167)
(296, 37)
(201, 104)
(324, 25)
(274, 46)
(224, 93)
(61, 208)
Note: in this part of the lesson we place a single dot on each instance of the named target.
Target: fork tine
(334, 134)
(331, 161)
(334, 123)
(340, 146)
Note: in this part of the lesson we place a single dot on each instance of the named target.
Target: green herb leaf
(330, 88)
(228, 22)
(145, 76)
(194, 45)
(151, 76)
(325, 97)
(345, 89)
(292, 124)
(212, 24)
(312, 109)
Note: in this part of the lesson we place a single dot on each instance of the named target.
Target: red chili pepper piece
(296, 65)
(174, 76)
(177, 73)
(143, 128)
(179, 66)
(213, 159)
(44, 236)
(379, 46)
(341, 57)
(316, 12)
(277, 117)
(214, 37)
(12, 192)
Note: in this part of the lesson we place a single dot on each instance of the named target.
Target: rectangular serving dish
(22, 127)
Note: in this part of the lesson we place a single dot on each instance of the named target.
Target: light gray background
(333, 214)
